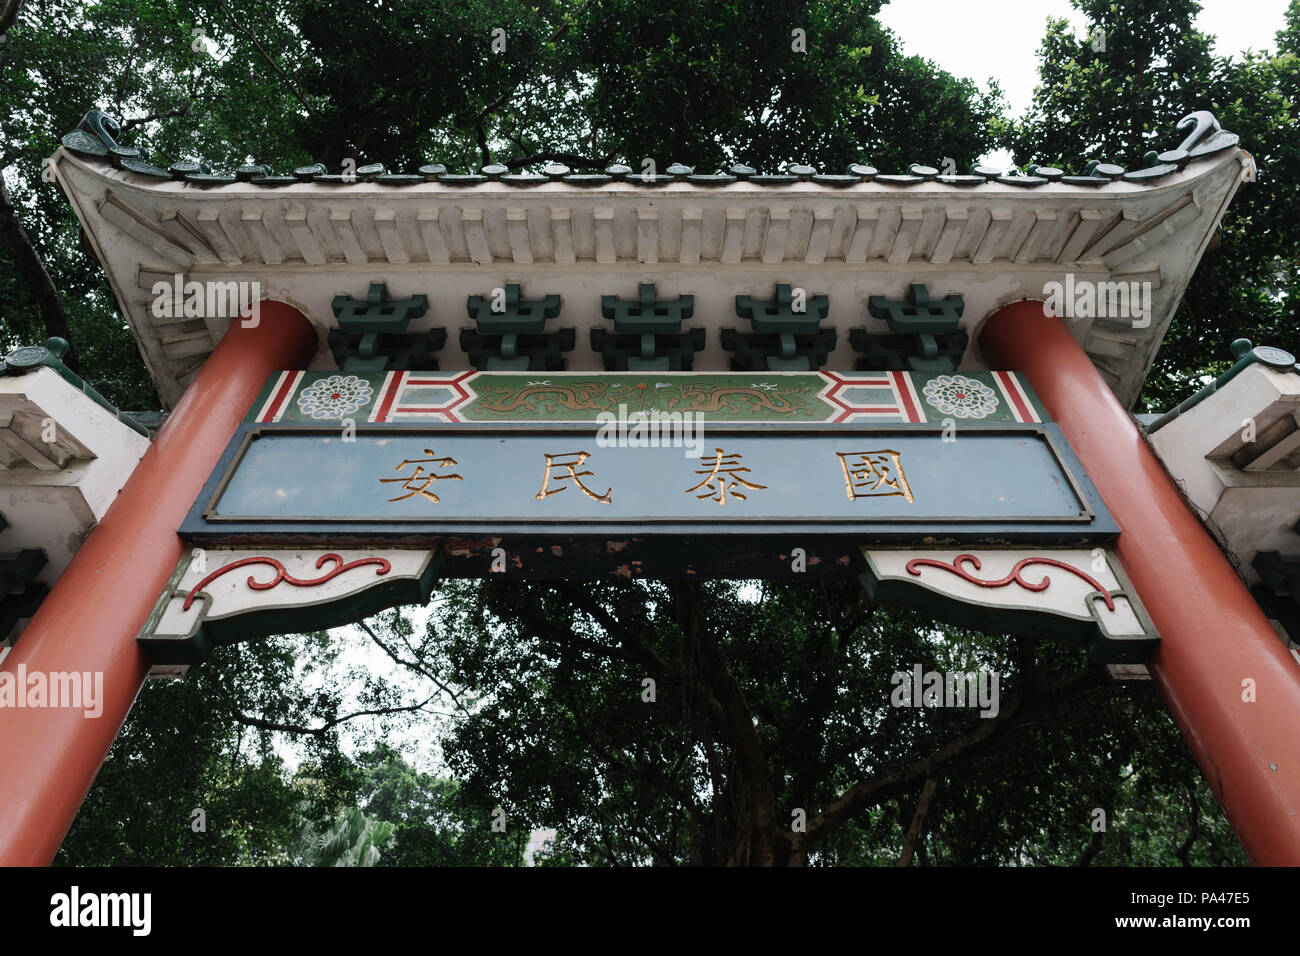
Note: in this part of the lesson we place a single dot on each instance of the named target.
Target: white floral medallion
(960, 397)
(335, 397)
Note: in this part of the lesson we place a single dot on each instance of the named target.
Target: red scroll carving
(282, 575)
(957, 569)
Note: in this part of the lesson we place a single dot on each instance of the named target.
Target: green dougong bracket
(20, 593)
(377, 312)
(1281, 574)
(372, 335)
(512, 339)
(784, 340)
(917, 314)
(647, 333)
(1279, 591)
(925, 334)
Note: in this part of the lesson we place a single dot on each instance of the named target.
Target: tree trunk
(8, 14)
(918, 821)
(760, 839)
(30, 267)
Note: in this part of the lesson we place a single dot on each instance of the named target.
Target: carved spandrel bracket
(225, 595)
(1078, 595)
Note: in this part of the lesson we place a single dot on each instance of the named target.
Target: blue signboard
(987, 481)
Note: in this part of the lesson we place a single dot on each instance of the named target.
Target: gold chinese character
(570, 469)
(418, 483)
(726, 472)
(874, 474)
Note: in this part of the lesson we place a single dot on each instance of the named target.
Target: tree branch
(1185, 848)
(640, 652)
(329, 725)
(166, 114)
(412, 665)
(918, 820)
(569, 159)
(8, 14)
(501, 100)
(821, 698)
(870, 792)
(269, 59)
(1090, 851)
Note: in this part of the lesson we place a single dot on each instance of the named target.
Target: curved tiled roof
(95, 137)
(989, 237)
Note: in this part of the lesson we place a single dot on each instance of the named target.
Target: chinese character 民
(418, 483)
(874, 474)
(726, 473)
(563, 467)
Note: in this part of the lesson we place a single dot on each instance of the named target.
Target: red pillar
(89, 621)
(1213, 634)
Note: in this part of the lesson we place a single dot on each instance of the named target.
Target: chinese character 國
(874, 474)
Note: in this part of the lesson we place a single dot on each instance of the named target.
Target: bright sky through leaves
(1009, 53)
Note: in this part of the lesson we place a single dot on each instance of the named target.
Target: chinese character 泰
(418, 483)
(726, 472)
(874, 474)
(569, 463)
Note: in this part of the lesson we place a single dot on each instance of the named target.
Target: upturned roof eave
(494, 231)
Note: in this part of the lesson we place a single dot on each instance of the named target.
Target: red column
(1213, 634)
(89, 621)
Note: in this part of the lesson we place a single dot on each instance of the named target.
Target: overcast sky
(1001, 40)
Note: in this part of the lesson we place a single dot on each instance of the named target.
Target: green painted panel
(740, 397)
(725, 397)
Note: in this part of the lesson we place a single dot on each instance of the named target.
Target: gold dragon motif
(576, 397)
(736, 400)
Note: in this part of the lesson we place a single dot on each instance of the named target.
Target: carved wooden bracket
(221, 595)
(1080, 595)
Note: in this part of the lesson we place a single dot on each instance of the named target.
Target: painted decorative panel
(790, 397)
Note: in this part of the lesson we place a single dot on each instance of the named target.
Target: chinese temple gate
(376, 380)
